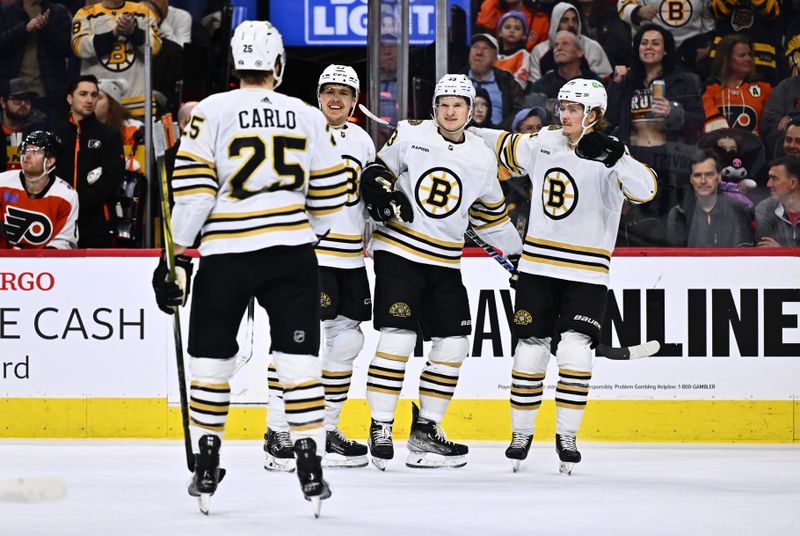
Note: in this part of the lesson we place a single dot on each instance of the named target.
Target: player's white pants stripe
(209, 403)
(276, 416)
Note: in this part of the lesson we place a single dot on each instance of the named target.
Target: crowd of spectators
(706, 92)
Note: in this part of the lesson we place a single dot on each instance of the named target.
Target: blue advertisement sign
(344, 22)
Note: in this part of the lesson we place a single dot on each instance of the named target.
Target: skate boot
(517, 451)
(280, 452)
(343, 452)
(380, 443)
(207, 472)
(429, 447)
(567, 453)
(309, 471)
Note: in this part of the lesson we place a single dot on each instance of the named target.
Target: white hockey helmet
(590, 93)
(454, 85)
(343, 75)
(258, 46)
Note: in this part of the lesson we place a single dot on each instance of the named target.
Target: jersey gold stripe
(194, 171)
(323, 211)
(233, 233)
(419, 253)
(343, 237)
(191, 156)
(205, 190)
(429, 239)
(326, 193)
(489, 205)
(564, 263)
(491, 224)
(570, 247)
(327, 172)
(279, 211)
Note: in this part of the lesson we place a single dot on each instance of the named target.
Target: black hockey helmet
(43, 139)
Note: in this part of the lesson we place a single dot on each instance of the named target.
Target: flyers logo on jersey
(438, 192)
(559, 193)
(21, 225)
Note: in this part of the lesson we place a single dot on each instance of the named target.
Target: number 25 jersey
(255, 169)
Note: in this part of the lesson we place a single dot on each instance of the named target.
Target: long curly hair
(670, 57)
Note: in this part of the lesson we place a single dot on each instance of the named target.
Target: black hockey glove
(600, 147)
(171, 294)
(512, 281)
(376, 190)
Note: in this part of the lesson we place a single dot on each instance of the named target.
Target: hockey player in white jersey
(344, 289)
(580, 178)
(429, 183)
(259, 178)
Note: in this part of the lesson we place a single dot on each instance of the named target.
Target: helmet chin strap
(45, 172)
(584, 129)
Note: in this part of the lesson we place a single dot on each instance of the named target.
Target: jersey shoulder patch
(554, 127)
(414, 122)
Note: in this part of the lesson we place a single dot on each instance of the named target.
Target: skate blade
(279, 465)
(316, 505)
(431, 460)
(515, 464)
(565, 468)
(337, 460)
(380, 463)
(205, 503)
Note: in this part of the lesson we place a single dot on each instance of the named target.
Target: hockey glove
(512, 281)
(171, 294)
(600, 147)
(376, 190)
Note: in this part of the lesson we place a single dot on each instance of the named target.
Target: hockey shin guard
(209, 396)
(343, 342)
(574, 356)
(387, 370)
(303, 396)
(438, 380)
(527, 387)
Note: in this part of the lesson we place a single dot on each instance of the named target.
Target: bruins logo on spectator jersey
(324, 300)
(438, 192)
(523, 318)
(675, 13)
(400, 310)
(559, 193)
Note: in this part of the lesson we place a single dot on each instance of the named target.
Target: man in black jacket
(92, 162)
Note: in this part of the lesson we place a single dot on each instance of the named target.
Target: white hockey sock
(527, 387)
(303, 396)
(438, 380)
(387, 371)
(209, 396)
(276, 415)
(574, 356)
(343, 342)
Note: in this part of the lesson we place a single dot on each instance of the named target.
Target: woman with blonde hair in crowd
(110, 112)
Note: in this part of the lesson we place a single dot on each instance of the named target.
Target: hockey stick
(623, 353)
(159, 146)
(243, 359)
(374, 117)
(28, 490)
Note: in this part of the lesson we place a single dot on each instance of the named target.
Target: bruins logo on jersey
(414, 122)
(438, 192)
(676, 13)
(324, 300)
(559, 193)
(352, 168)
(400, 310)
(523, 318)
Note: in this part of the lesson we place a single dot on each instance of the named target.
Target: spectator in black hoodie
(92, 162)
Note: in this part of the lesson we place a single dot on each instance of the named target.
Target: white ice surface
(138, 488)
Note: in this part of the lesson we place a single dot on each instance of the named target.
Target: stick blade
(647, 349)
(30, 490)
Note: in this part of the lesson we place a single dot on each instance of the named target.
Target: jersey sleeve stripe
(488, 204)
(195, 190)
(394, 241)
(327, 172)
(323, 211)
(329, 192)
(453, 246)
(182, 154)
(489, 225)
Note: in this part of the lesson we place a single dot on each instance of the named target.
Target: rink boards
(84, 352)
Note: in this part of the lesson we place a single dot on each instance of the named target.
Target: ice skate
(567, 453)
(428, 446)
(517, 451)
(280, 452)
(343, 452)
(380, 443)
(309, 472)
(207, 472)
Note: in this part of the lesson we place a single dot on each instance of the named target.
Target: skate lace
(519, 441)
(342, 439)
(568, 442)
(382, 435)
(283, 440)
(439, 435)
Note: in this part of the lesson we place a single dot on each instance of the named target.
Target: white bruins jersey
(343, 246)
(255, 169)
(450, 186)
(683, 18)
(575, 205)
